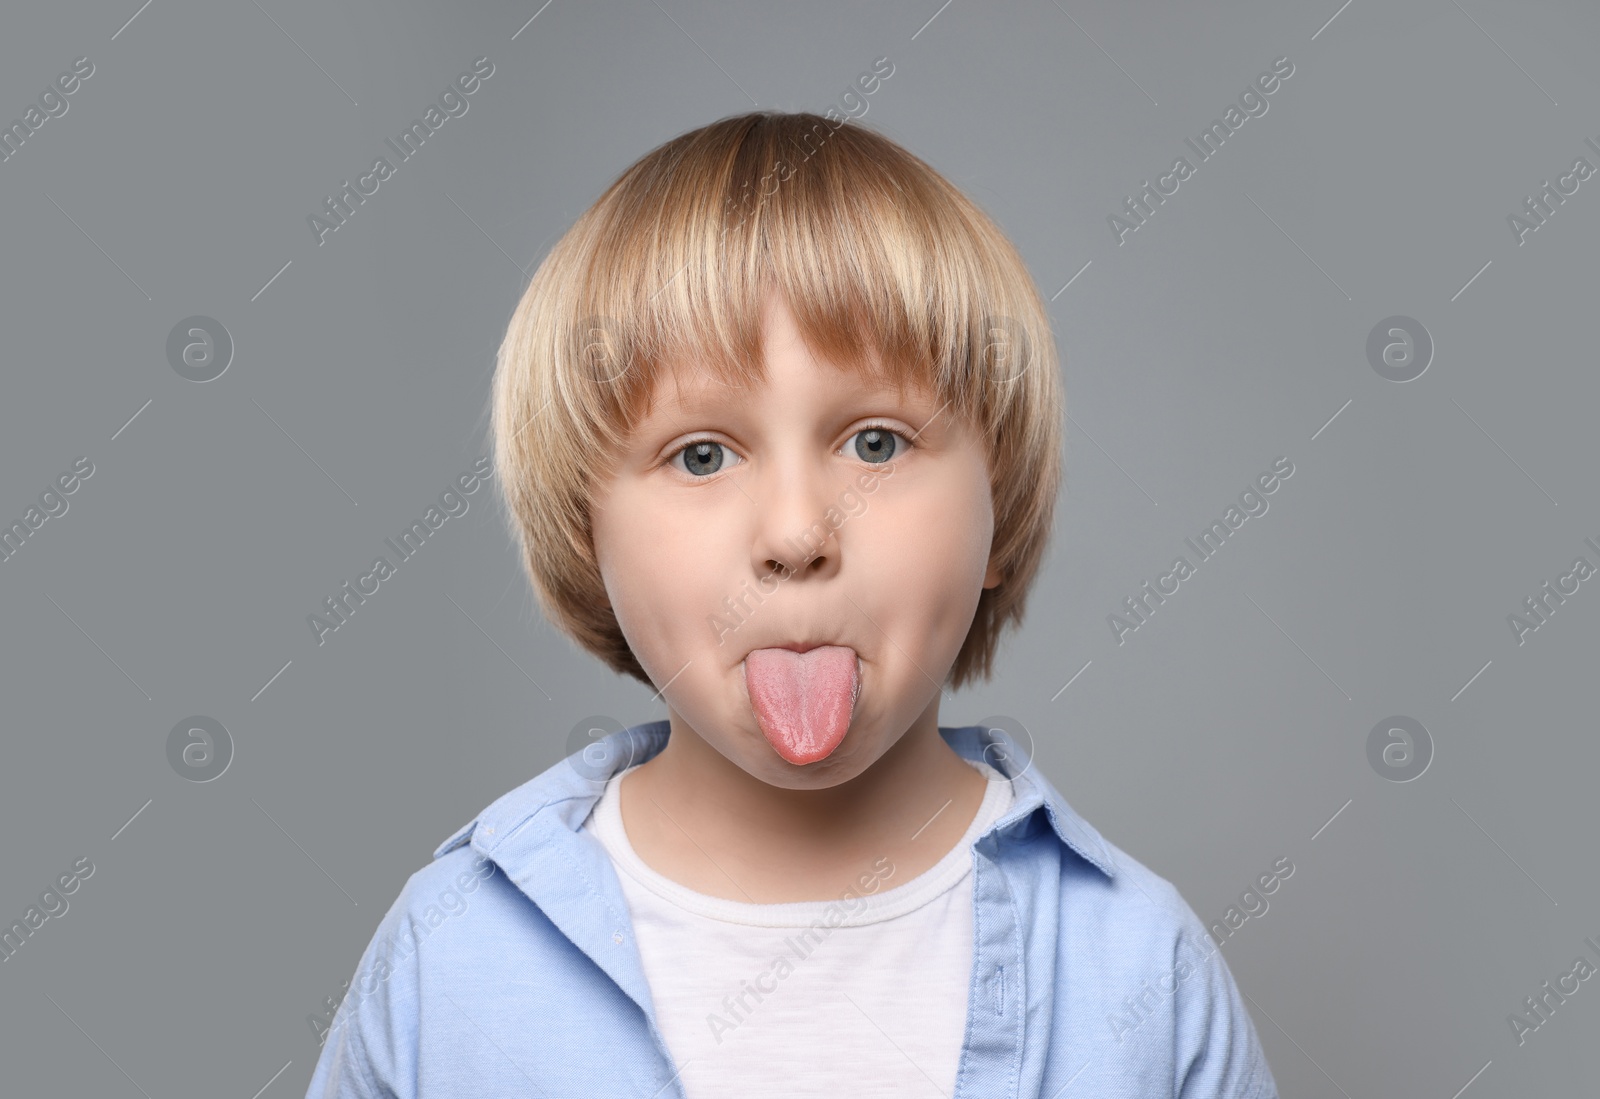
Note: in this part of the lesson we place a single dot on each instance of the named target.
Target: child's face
(787, 531)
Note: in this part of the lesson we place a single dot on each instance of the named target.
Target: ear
(992, 578)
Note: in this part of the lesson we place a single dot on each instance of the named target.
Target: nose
(797, 521)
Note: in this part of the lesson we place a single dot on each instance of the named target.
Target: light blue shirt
(508, 965)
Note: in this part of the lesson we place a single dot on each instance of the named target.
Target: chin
(846, 762)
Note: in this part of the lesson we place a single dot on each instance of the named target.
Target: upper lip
(802, 646)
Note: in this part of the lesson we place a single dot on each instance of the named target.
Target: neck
(701, 820)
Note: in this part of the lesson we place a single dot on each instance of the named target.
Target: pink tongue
(803, 701)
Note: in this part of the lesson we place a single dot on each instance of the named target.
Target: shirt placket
(991, 1056)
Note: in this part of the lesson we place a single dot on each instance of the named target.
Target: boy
(779, 425)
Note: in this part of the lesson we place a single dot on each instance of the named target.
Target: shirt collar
(569, 790)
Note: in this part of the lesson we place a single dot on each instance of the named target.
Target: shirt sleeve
(343, 1070)
(1220, 1055)
(370, 1048)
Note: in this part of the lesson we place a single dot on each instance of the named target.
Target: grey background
(1226, 332)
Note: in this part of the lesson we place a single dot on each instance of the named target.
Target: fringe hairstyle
(890, 272)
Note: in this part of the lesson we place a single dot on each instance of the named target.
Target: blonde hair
(889, 271)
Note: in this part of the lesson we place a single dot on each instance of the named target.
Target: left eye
(878, 444)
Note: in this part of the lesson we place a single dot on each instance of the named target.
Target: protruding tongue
(803, 701)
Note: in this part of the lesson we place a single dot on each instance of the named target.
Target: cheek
(928, 552)
(664, 574)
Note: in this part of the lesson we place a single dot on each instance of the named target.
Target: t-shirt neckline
(845, 911)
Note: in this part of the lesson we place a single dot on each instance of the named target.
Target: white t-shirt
(863, 996)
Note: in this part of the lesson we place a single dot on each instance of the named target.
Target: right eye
(701, 457)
